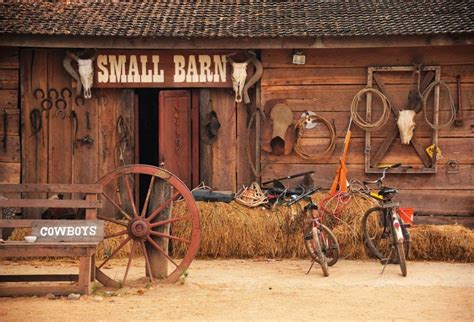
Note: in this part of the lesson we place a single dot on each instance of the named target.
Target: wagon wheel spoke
(157, 189)
(147, 199)
(184, 240)
(147, 261)
(120, 233)
(115, 221)
(122, 244)
(119, 208)
(130, 196)
(162, 206)
(169, 221)
(132, 251)
(154, 244)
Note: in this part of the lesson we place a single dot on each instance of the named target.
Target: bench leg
(92, 268)
(85, 274)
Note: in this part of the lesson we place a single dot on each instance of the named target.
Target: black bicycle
(385, 234)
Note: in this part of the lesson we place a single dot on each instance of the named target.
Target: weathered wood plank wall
(9, 93)
(54, 156)
(327, 83)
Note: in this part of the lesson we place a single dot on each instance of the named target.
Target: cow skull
(86, 72)
(239, 75)
(406, 125)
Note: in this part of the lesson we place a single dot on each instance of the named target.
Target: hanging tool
(36, 125)
(340, 180)
(75, 128)
(88, 120)
(458, 121)
(87, 141)
(5, 130)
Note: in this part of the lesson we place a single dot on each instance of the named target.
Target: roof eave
(61, 41)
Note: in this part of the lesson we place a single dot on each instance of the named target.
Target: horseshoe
(52, 90)
(38, 90)
(66, 90)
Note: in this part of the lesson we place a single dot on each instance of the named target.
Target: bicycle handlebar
(380, 180)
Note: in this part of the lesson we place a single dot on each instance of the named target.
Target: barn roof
(190, 19)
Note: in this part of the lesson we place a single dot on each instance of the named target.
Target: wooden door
(175, 133)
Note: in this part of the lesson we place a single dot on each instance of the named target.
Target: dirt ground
(277, 290)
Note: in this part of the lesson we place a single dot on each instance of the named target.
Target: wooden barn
(164, 81)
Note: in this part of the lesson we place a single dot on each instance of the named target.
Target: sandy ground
(249, 290)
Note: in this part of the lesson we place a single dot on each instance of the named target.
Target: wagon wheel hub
(139, 228)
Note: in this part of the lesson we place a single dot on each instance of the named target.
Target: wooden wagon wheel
(148, 225)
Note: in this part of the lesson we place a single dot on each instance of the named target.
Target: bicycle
(383, 229)
(320, 242)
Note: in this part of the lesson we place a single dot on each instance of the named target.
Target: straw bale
(230, 230)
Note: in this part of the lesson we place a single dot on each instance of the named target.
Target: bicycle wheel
(401, 258)
(377, 238)
(322, 260)
(328, 242)
(329, 245)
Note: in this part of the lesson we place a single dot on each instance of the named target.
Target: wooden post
(161, 192)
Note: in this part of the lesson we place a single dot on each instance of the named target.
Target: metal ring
(52, 90)
(38, 90)
(61, 114)
(63, 103)
(66, 90)
(81, 100)
(48, 106)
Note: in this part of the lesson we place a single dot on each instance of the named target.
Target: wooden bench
(55, 237)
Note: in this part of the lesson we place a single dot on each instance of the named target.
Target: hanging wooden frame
(373, 159)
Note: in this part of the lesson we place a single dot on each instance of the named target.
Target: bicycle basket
(406, 214)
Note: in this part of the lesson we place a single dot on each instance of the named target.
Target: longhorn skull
(85, 69)
(239, 75)
(406, 123)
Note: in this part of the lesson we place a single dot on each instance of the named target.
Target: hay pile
(235, 231)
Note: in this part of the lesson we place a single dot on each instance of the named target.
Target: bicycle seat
(387, 191)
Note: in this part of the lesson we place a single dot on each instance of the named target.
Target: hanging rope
(359, 121)
(124, 141)
(300, 130)
(424, 99)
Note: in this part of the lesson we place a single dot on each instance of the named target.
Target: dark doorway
(168, 123)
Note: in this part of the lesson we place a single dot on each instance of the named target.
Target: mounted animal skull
(406, 124)
(239, 75)
(85, 69)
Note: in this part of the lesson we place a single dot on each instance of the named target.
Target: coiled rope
(251, 196)
(300, 129)
(424, 99)
(359, 121)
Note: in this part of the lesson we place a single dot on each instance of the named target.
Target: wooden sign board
(68, 230)
(162, 68)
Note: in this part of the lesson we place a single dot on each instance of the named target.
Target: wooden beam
(40, 278)
(232, 43)
(46, 203)
(51, 188)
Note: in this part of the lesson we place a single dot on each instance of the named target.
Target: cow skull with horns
(406, 123)
(85, 69)
(239, 76)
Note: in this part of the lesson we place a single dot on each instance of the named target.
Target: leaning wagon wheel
(148, 225)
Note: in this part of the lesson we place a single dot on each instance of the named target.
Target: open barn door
(175, 114)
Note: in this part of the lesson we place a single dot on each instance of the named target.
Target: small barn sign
(68, 230)
(161, 69)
